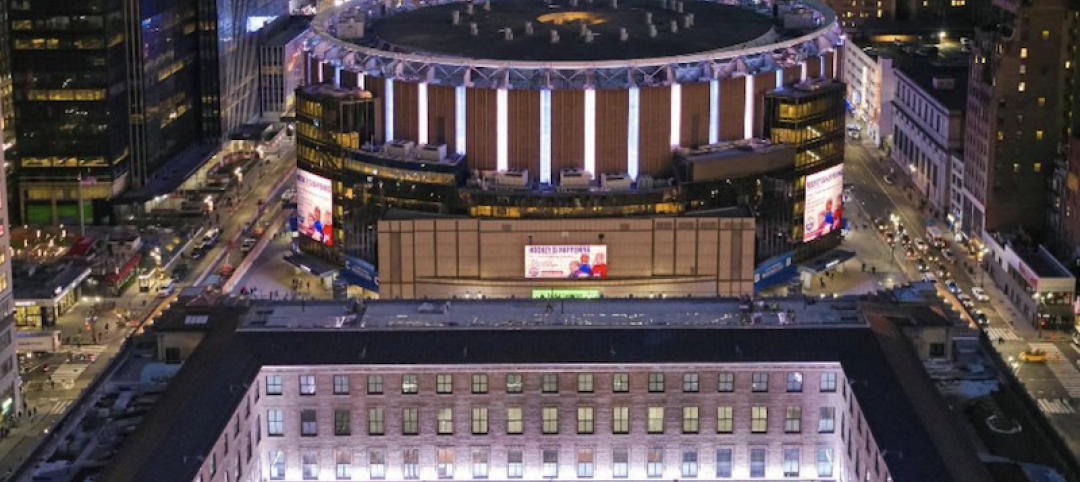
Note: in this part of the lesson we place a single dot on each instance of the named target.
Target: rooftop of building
(45, 281)
(730, 150)
(430, 30)
(1044, 264)
(901, 407)
(947, 84)
(329, 90)
(807, 88)
(937, 41)
(285, 30)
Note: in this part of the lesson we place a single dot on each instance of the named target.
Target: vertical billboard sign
(822, 210)
(314, 206)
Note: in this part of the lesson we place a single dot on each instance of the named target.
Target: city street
(1055, 385)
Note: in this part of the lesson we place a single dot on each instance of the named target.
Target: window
(656, 419)
(791, 461)
(377, 463)
(410, 421)
(479, 420)
(690, 420)
(273, 384)
(723, 462)
(937, 350)
(374, 384)
(551, 420)
(760, 382)
(690, 382)
(656, 382)
(689, 462)
(309, 463)
(794, 381)
(1023, 52)
(308, 426)
(479, 383)
(620, 423)
(757, 462)
(724, 419)
(585, 420)
(513, 420)
(513, 383)
(275, 423)
(307, 384)
(1038, 168)
(550, 383)
(654, 461)
(343, 464)
(1022, 86)
(277, 464)
(515, 462)
(445, 419)
(480, 456)
(1042, 101)
(341, 384)
(621, 383)
(726, 382)
(1038, 135)
(586, 462)
(759, 419)
(1046, 35)
(824, 462)
(549, 459)
(828, 382)
(620, 461)
(585, 383)
(408, 384)
(444, 383)
(444, 462)
(411, 463)
(342, 425)
(826, 420)
(793, 419)
(375, 421)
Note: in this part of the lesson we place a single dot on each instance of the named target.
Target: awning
(311, 264)
(826, 261)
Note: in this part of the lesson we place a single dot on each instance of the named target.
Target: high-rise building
(10, 391)
(1019, 107)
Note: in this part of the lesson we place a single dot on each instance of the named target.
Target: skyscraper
(10, 392)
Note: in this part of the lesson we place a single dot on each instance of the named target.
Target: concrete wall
(684, 256)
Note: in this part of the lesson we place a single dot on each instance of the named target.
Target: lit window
(341, 384)
(656, 420)
(620, 420)
(513, 383)
(690, 420)
(1022, 86)
(376, 463)
(515, 462)
(824, 462)
(1068, 64)
(445, 419)
(309, 464)
(621, 383)
(444, 462)
(374, 384)
(656, 382)
(1039, 135)
(723, 462)
(791, 461)
(550, 420)
(479, 383)
(1023, 52)
(689, 462)
(514, 424)
(479, 420)
(410, 421)
(826, 419)
(759, 419)
(1000, 136)
(793, 419)
(726, 382)
(277, 464)
(760, 382)
(275, 423)
(1046, 34)
(444, 383)
(724, 419)
(273, 384)
(690, 382)
(408, 384)
(480, 456)
(1016, 168)
(757, 463)
(549, 459)
(620, 462)
(585, 423)
(307, 384)
(1023, 69)
(585, 382)
(1038, 167)
(551, 383)
(376, 422)
(411, 463)
(1042, 101)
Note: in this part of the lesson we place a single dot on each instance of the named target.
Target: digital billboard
(314, 206)
(822, 209)
(566, 261)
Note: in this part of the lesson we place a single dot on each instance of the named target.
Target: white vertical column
(802, 74)
(748, 115)
(459, 119)
(590, 132)
(545, 136)
(421, 113)
(502, 119)
(320, 64)
(337, 76)
(361, 80)
(633, 131)
(779, 78)
(821, 63)
(676, 115)
(714, 111)
(388, 103)
(835, 64)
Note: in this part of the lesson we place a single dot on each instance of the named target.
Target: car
(947, 254)
(882, 225)
(888, 180)
(890, 238)
(929, 277)
(905, 240)
(198, 253)
(952, 286)
(179, 272)
(211, 238)
(942, 270)
(979, 294)
(921, 245)
(166, 290)
(980, 318)
(248, 245)
(288, 195)
(1033, 355)
(931, 257)
(965, 300)
(938, 243)
(909, 253)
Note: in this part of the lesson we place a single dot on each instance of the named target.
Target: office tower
(10, 385)
(1019, 105)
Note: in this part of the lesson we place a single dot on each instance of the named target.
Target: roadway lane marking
(1055, 406)
(1002, 333)
(1067, 374)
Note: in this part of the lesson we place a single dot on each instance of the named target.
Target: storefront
(1038, 285)
(43, 312)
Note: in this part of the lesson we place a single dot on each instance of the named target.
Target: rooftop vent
(944, 83)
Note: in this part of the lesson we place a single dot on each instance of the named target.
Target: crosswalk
(1006, 334)
(1055, 406)
(1063, 369)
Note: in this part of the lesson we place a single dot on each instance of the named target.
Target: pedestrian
(309, 286)
(873, 270)
(822, 281)
(1001, 340)
(864, 267)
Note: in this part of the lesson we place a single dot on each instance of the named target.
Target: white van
(167, 289)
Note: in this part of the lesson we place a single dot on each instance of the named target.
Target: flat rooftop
(1043, 263)
(923, 72)
(430, 30)
(42, 281)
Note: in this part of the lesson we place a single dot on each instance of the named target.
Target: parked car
(288, 195)
(198, 252)
(947, 254)
(180, 271)
(979, 294)
(980, 318)
(921, 265)
(247, 245)
(966, 301)
(952, 286)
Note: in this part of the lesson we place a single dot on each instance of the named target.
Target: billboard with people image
(566, 261)
(314, 205)
(824, 203)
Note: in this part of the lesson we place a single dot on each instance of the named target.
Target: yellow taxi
(1033, 355)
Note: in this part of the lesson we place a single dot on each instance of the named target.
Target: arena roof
(431, 30)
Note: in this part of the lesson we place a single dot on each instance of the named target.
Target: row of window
(512, 420)
(518, 465)
(550, 383)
